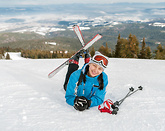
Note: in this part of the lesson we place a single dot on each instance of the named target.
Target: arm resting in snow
(70, 92)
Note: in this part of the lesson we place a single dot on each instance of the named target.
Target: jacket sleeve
(70, 92)
(98, 97)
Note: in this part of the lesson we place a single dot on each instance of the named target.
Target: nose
(96, 70)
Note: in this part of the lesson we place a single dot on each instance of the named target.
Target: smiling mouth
(94, 73)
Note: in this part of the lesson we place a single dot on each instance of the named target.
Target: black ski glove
(81, 103)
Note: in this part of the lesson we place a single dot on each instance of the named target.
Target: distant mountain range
(57, 20)
(84, 14)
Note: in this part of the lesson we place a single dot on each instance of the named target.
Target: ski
(86, 46)
(115, 106)
(77, 30)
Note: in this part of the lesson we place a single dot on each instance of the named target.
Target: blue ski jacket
(89, 89)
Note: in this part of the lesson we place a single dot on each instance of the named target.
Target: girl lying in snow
(86, 87)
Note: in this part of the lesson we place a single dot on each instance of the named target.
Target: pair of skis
(115, 106)
(85, 46)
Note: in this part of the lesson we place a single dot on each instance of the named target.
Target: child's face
(94, 70)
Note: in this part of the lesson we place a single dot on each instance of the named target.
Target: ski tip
(100, 35)
(74, 26)
(49, 76)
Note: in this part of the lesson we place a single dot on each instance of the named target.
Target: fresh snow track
(30, 101)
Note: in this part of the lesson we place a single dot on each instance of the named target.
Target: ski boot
(75, 58)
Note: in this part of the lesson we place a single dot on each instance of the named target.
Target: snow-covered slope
(15, 56)
(30, 101)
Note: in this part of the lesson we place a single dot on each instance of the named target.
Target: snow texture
(30, 101)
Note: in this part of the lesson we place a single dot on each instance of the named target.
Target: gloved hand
(81, 103)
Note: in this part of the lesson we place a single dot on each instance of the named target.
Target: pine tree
(160, 48)
(92, 51)
(118, 47)
(148, 52)
(105, 50)
(101, 49)
(133, 47)
(160, 52)
(118, 37)
(158, 55)
(129, 47)
(2, 52)
(143, 50)
(7, 56)
(54, 55)
(164, 53)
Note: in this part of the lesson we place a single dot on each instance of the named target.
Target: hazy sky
(43, 2)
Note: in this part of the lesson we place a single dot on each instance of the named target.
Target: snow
(15, 56)
(159, 24)
(51, 43)
(30, 101)
(81, 28)
(40, 30)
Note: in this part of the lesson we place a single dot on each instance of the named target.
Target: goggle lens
(102, 59)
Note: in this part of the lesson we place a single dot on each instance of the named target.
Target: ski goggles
(100, 59)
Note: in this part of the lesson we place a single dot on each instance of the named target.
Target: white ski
(77, 30)
(86, 46)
